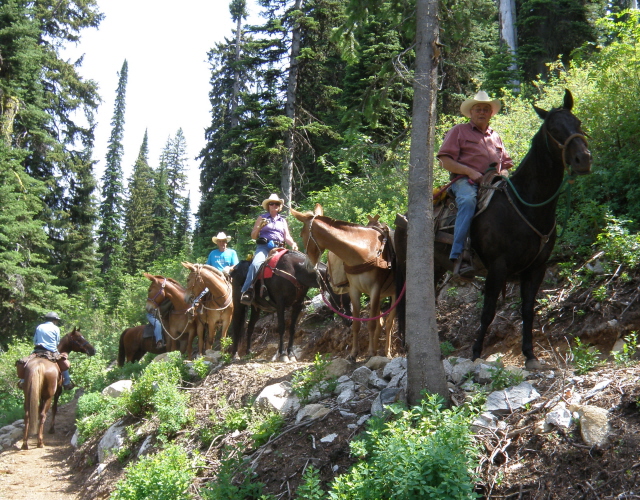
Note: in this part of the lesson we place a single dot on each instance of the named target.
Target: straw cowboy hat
(220, 236)
(272, 198)
(480, 98)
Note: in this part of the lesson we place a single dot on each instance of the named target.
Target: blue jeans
(258, 258)
(157, 326)
(66, 379)
(466, 195)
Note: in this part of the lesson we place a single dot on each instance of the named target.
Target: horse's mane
(214, 270)
(174, 282)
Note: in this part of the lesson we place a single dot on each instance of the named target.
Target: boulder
(278, 397)
(116, 389)
(377, 362)
(394, 367)
(361, 376)
(559, 416)
(311, 412)
(339, 367)
(502, 402)
(112, 441)
(594, 423)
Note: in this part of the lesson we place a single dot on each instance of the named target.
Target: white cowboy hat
(272, 198)
(480, 98)
(220, 236)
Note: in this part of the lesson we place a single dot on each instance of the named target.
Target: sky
(165, 45)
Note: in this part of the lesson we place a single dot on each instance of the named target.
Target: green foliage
(619, 245)
(234, 481)
(626, 356)
(225, 343)
(11, 398)
(585, 358)
(501, 378)
(426, 452)
(447, 348)
(201, 367)
(304, 381)
(264, 425)
(310, 487)
(96, 413)
(166, 475)
(261, 424)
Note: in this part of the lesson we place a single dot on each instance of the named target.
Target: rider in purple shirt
(270, 230)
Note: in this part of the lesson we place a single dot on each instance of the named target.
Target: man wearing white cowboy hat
(270, 230)
(222, 258)
(468, 150)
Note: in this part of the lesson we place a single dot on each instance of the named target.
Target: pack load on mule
(209, 291)
(368, 255)
(43, 382)
(513, 235)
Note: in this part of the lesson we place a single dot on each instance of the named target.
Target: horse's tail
(33, 384)
(121, 349)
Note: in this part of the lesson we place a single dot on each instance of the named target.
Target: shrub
(310, 488)
(629, 349)
(11, 398)
(501, 378)
(95, 413)
(427, 452)
(233, 481)
(304, 381)
(166, 475)
(584, 357)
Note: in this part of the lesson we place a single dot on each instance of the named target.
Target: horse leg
(354, 295)
(296, 309)
(281, 355)
(388, 326)
(492, 288)
(44, 408)
(529, 284)
(253, 318)
(226, 322)
(199, 331)
(54, 409)
(374, 326)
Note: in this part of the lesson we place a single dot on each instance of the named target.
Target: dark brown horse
(43, 382)
(133, 345)
(514, 236)
(283, 293)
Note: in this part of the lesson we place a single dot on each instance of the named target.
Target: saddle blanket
(270, 264)
(148, 331)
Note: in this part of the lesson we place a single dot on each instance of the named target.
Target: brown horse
(182, 322)
(216, 305)
(365, 252)
(133, 345)
(43, 382)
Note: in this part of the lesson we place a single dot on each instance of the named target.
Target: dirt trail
(42, 473)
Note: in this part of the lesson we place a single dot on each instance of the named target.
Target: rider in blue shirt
(222, 258)
(47, 337)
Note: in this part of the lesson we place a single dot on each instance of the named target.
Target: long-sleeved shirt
(47, 336)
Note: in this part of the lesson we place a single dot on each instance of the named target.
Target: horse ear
(318, 210)
(148, 276)
(188, 265)
(541, 112)
(568, 100)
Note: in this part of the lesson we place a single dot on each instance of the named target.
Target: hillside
(520, 458)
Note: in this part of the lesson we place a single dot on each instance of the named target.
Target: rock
(618, 346)
(386, 397)
(74, 439)
(278, 397)
(484, 421)
(212, 356)
(361, 375)
(461, 369)
(338, 367)
(517, 371)
(116, 389)
(6, 428)
(484, 373)
(18, 423)
(329, 439)
(160, 357)
(448, 368)
(347, 414)
(377, 382)
(345, 396)
(496, 359)
(347, 385)
(510, 399)
(594, 423)
(362, 420)
(112, 441)
(400, 380)
(377, 362)
(559, 416)
(145, 447)
(312, 412)
(393, 367)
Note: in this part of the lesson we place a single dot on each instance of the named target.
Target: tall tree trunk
(238, 12)
(508, 27)
(290, 111)
(8, 112)
(424, 370)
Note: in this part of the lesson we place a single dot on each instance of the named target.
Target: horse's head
(74, 341)
(157, 292)
(564, 132)
(193, 280)
(313, 249)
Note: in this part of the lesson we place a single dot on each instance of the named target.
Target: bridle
(160, 292)
(311, 238)
(563, 147)
(228, 292)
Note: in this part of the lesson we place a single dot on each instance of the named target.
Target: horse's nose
(581, 161)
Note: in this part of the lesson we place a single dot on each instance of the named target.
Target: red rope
(393, 306)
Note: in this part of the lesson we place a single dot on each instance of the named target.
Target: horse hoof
(534, 364)
(284, 359)
(25, 446)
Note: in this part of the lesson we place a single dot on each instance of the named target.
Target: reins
(381, 315)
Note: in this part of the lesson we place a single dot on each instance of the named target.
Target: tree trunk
(424, 370)
(290, 111)
(508, 26)
(236, 75)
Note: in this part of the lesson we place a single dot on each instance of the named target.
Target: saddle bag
(63, 362)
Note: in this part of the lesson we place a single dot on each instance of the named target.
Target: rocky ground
(519, 459)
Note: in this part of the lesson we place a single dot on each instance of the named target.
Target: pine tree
(173, 161)
(138, 218)
(110, 232)
(162, 223)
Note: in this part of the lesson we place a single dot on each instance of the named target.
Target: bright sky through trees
(165, 44)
